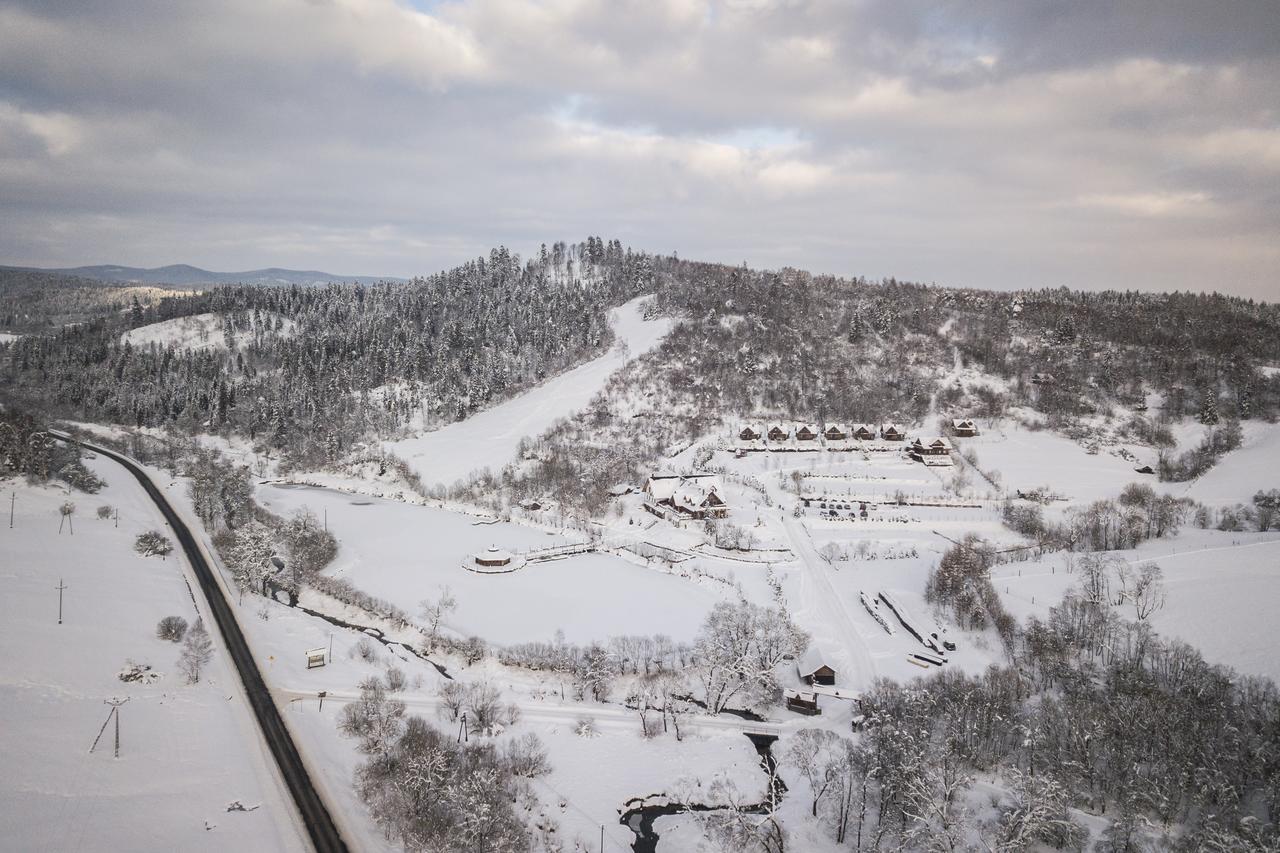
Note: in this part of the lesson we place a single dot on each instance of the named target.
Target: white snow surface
(405, 553)
(8, 337)
(196, 332)
(187, 751)
(1222, 588)
(491, 438)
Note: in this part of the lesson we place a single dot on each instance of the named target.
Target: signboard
(315, 658)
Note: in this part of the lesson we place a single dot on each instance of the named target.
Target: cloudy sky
(1024, 143)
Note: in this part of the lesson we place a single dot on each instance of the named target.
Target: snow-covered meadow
(188, 751)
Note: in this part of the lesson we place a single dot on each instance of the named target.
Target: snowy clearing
(490, 439)
(196, 332)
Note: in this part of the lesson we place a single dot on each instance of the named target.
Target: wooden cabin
(864, 432)
(835, 432)
(814, 669)
(802, 703)
(777, 432)
(749, 433)
(934, 447)
(807, 432)
(893, 432)
(964, 428)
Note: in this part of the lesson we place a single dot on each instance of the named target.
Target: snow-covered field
(187, 751)
(8, 337)
(1254, 466)
(405, 553)
(1221, 593)
(490, 439)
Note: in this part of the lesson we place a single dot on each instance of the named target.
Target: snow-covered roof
(813, 428)
(933, 442)
(780, 427)
(962, 423)
(811, 661)
(871, 428)
(893, 427)
(662, 486)
(620, 489)
(493, 554)
(835, 428)
(693, 494)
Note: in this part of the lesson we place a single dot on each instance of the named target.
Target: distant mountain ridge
(186, 275)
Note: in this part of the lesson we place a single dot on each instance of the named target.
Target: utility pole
(13, 497)
(117, 516)
(60, 587)
(330, 647)
(114, 712)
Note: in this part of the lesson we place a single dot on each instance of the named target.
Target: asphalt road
(315, 816)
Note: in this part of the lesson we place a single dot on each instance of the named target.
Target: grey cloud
(1013, 144)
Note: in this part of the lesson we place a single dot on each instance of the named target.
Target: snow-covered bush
(172, 628)
(395, 679)
(365, 649)
(79, 477)
(152, 543)
(105, 511)
(526, 756)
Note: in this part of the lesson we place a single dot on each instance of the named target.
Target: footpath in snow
(490, 439)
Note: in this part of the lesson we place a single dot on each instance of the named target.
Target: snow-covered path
(490, 438)
(822, 600)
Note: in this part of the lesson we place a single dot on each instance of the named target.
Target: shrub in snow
(395, 679)
(375, 718)
(77, 476)
(172, 628)
(105, 511)
(152, 543)
(585, 727)
(365, 650)
(138, 673)
(526, 756)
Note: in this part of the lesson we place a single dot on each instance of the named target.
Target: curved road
(315, 816)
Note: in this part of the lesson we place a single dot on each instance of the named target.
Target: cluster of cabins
(806, 436)
(685, 496)
(783, 437)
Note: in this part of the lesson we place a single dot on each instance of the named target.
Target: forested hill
(313, 370)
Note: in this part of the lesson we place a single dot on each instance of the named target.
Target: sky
(993, 144)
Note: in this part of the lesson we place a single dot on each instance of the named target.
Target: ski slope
(490, 439)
